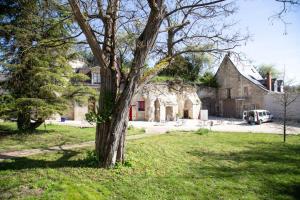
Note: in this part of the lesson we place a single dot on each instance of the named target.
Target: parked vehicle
(257, 116)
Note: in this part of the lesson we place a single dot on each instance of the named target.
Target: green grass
(43, 137)
(200, 165)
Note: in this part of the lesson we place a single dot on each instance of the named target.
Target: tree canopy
(264, 69)
(39, 82)
(189, 67)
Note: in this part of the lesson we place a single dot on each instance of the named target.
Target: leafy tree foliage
(208, 79)
(187, 68)
(264, 69)
(40, 82)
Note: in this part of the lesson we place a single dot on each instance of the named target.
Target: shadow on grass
(20, 163)
(9, 130)
(274, 167)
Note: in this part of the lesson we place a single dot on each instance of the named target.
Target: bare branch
(90, 36)
(193, 6)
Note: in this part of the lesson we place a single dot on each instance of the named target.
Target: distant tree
(264, 69)
(179, 68)
(208, 79)
(187, 68)
(39, 80)
(285, 100)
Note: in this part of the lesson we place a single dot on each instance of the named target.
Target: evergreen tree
(208, 79)
(39, 81)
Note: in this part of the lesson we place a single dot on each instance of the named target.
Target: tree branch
(193, 6)
(90, 35)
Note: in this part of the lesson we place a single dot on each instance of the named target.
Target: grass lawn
(171, 166)
(51, 135)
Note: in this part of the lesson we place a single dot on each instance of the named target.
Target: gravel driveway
(216, 124)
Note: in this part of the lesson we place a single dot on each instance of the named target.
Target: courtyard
(217, 124)
(213, 123)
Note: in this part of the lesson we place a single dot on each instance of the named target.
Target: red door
(130, 113)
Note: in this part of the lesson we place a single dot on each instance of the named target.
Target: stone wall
(166, 102)
(80, 111)
(207, 97)
(274, 105)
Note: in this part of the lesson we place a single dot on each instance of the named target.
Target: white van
(257, 116)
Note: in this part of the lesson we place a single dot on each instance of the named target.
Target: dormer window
(96, 79)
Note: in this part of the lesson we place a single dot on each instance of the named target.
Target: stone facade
(207, 96)
(241, 88)
(165, 102)
(273, 103)
(155, 102)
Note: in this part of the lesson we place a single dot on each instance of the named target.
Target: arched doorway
(188, 109)
(169, 113)
(156, 110)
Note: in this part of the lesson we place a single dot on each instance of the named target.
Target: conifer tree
(40, 82)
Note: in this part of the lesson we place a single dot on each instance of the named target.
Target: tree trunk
(121, 147)
(110, 132)
(24, 122)
(106, 102)
(284, 122)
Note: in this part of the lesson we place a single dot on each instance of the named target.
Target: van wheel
(259, 122)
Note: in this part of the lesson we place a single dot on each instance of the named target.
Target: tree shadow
(20, 163)
(262, 163)
(7, 130)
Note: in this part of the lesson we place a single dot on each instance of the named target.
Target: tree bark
(120, 113)
(110, 132)
(106, 99)
(24, 122)
(121, 147)
(284, 121)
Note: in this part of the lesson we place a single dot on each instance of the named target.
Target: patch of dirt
(26, 191)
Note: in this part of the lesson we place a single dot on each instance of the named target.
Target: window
(141, 105)
(246, 93)
(260, 114)
(96, 78)
(228, 93)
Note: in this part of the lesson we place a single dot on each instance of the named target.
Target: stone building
(76, 111)
(241, 88)
(165, 102)
(155, 102)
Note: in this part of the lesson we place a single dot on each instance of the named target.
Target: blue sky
(268, 43)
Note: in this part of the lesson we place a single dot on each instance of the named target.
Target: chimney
(269, 81)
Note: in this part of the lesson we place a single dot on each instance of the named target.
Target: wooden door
(229, 108)
(130, 113)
